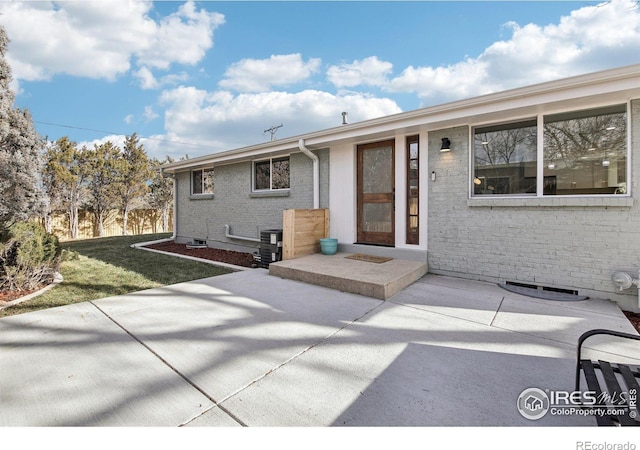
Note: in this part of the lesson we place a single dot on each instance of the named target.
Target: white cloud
(128, 119)
(259, 75)
(99, 39)
(368, 71)
(115, 139)
(465, 79)
(155, 146)
(183, 37)
(222, 121)
(146, 78)
(14, 86)
(150, 114)
(591, 38)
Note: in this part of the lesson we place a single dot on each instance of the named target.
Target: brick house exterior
(523, 225)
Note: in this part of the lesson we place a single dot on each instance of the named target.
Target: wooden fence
(302, 230)
(141, 221)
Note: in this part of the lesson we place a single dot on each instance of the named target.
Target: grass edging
(141, 246)
(57, 279)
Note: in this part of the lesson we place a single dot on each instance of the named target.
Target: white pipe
(624, 281)
(316, 173)
(175, 207)
(227, 233)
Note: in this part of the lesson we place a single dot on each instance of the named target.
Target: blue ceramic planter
(328, 246)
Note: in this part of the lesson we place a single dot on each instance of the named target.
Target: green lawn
(108, 266)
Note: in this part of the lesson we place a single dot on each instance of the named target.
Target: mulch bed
(9, 296)
(634, 318)
(212, 254)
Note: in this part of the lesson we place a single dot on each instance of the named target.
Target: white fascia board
(245, 153)
(624, 81)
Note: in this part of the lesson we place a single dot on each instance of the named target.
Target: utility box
(270, 247)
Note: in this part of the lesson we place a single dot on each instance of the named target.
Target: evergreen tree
(135, 172)
(20, 146)
(64, 176)
(103, 166)
(161, 193)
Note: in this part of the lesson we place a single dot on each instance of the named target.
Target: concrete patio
(257, 350)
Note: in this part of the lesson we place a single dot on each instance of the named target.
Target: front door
(376, 194)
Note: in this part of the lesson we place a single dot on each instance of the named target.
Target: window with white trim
(271, 174)
(202, 181)
(579, 153)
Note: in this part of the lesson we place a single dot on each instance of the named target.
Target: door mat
(368, 258)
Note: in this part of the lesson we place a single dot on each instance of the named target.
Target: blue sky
(199, 77)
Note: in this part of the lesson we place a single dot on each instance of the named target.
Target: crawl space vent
(543, 292)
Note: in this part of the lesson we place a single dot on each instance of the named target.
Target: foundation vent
(543, 292)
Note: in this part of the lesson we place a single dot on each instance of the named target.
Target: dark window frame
(260, 185)
(203, 188)
(413, 174)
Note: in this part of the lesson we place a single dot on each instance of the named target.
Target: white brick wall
(572, 247)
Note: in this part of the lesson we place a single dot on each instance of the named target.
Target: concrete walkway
(252, 349)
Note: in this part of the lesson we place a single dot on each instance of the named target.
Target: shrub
(29, 257)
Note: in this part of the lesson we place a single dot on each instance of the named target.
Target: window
(581, 153)
(413, 190)
(586, 152)
(202, 181)
(505, 159)
(271, 174)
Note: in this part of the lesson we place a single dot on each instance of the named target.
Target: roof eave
(451, 108)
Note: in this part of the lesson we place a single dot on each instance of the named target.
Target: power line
(123, 134)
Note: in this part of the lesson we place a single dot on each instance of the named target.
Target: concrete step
(377, 280)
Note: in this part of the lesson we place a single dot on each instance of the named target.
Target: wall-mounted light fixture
(446, 145)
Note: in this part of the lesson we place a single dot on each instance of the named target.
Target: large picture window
(271, 174)
(202, 181)
(586, 152)
(505, 159)
(581, 153)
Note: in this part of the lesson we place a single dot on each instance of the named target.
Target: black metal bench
(615, 385)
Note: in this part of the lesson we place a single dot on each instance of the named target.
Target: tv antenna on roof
(273, 130)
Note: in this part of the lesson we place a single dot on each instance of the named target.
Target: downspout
(175, 207)
(316, 173)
